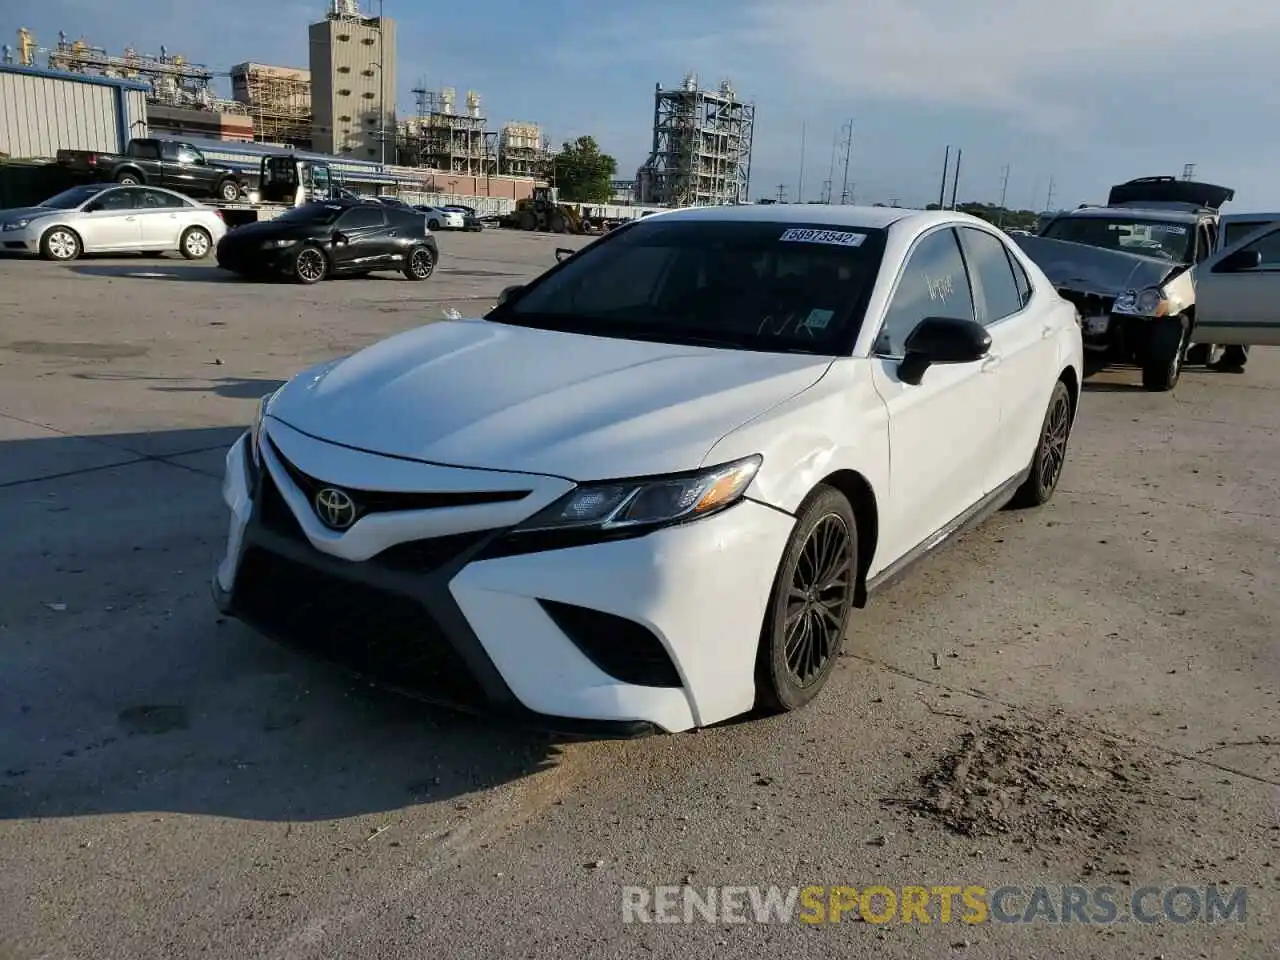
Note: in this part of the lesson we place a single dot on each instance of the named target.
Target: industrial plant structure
(701, 147)
(353, 83)
(278, 99)
(441, 138)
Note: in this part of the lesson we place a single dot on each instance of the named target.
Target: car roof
(1135, 213)
(822, 214)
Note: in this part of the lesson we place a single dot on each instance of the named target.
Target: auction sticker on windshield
(838, 238)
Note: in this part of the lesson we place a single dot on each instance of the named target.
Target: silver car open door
(1238, 292)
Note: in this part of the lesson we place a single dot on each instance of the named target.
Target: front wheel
(310, 265)
(808, 611)
(1162, 358)
(1051, 452)
(195, 243)
(420, 265)
(433, 224)
(60, 243)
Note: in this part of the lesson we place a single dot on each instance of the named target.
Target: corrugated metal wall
(41, 115)
(135, 114)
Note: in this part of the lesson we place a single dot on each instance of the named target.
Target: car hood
(271, 230)
(481, 394)
(27, 213)
(1078, 266)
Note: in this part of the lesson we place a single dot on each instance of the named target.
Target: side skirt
(971, 518)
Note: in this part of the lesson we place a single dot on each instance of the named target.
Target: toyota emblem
(335, 508)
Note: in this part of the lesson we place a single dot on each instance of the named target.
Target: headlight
(16, 224)
(650, 502)
(1144, 303)
(278, 244)
(255, 431)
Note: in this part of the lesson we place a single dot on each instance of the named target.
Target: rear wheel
(1051, 452)
(420, 265)
(808, 611)
(1162, 358)
(229, 190)
(60, 243)
(433, 224)
(310, 265)
(128, 179)
(528, 220)
(195, 243)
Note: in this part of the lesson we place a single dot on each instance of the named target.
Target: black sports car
(332, 238)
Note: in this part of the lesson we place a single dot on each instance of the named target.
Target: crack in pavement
(1084, 724)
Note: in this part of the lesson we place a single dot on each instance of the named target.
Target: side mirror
(340, 238)
(942, 340)
(1239, 262)
(563, 254)
(509, 293)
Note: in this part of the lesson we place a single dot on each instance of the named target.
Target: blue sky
(1089, 92)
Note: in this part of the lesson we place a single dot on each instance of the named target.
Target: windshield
(1151, 238)
(317, 213)
(70, 199)
(772, 286)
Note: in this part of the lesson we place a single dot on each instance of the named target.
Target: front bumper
(655, 632)
(253, 259)
(26, 240)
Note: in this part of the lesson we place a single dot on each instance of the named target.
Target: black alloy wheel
(420, 265)
(1051, 451)
(310, 265)
(812, 597)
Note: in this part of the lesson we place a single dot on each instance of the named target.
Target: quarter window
(990, 265)
(1020, 278)
(934, 284)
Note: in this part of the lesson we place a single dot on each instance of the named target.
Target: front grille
(1089, 304)
(384, 636)
(274, 513)
(622, 648)
(381, 501)
(423, 556)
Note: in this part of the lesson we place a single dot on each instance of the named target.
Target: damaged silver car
(1128, 269)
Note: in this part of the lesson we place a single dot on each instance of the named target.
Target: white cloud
(1018, 56)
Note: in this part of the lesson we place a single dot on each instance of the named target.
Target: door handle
(991, 362)
(131, 218)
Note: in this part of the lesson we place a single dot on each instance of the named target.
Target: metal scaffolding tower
(442, 139)
(701, 147)
(278, 99)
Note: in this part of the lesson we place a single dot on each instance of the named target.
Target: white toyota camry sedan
(648, 490)
(103, 218)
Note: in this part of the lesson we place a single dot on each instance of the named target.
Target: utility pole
(382, 84)
(955, 183)
(848, 149)
(831, 171)
(942, 190)
(1048, 200)
(782, 193)
(1188, 171)
(800, 182)
(1004, 192)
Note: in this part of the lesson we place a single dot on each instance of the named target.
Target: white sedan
(102, 218)
(440, 218)
(650, 487)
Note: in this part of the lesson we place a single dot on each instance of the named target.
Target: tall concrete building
(353, 84)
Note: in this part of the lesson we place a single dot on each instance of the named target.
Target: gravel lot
(1085, 695)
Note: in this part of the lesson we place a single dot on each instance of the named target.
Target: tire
(1233, 359)
(1051, 452)
(1203, 354)
(528, 220)
(310, 265)
(229, 191)
(195, 243)
(433, 224)
(129, 179)
(799, 608)
(61, 244)
(558, 223)
(420, 264)
(1162, 358)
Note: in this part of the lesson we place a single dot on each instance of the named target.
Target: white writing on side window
(839, 238)
(940, 288)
